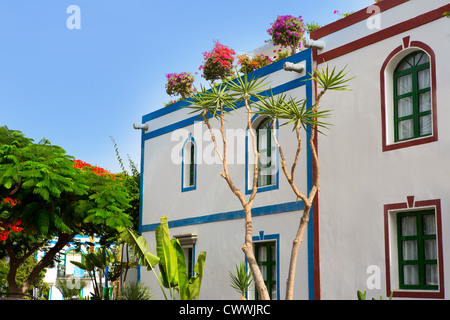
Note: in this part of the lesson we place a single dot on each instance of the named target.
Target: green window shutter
(264, 147)
(412, 97)
(265, 254)
(417, 250)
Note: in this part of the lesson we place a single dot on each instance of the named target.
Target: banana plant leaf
(168, 261)
(100, 259)
(196, 281)
(183, 280)
(189, 288)
(140, 247)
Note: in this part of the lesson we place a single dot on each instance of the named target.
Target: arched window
(189, 165)
(412, 97)
(268, 156)
(266, 165)
(408, 96)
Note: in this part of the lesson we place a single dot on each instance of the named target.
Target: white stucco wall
(357, 177)
(222, 240)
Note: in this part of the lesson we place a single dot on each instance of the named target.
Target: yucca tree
(242, 279)
(136, 291)
(216, 103)
(294, 112)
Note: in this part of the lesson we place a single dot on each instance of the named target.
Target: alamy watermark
(374, 279)
(239, 146)
(73, 22)
(374, 21)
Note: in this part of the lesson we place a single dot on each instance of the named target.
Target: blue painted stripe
(231, 215)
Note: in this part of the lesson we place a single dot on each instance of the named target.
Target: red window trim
(412, 204)
(418, 141)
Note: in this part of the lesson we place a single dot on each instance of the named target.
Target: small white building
(379, 222)
(66, 271)
(198, 202)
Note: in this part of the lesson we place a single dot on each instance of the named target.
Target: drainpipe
(316, 44)
(140, 126)
(296, 67)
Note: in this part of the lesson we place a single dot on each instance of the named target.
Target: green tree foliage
(54, 197)
(22, 275)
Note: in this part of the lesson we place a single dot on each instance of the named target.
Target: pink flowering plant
(343, 15)
(287, 31)
(180, 84)
(218, 63)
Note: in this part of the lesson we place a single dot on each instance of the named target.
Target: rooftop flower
(287, 31)
(218, 63)
(180, 84)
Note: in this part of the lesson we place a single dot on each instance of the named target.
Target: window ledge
(427, 294)
(409, 143)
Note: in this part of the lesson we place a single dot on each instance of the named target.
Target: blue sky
(78, 87)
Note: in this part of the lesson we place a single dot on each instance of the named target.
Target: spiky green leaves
(334, 80)
(225, 97)
(243, 88)
(242, 279)
(209, 102)
(295, 111)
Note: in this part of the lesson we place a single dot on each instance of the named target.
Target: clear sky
(78, 87)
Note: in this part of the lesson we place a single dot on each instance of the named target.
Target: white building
(384, 205)
(66, 271)
(379, 223)
(201, 203)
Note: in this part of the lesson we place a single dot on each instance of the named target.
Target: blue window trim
(193, 260)
(190, 138)
(270, 237)
(249, 184)
(306, 56)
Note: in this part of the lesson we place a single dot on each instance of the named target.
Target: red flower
(7, 228)
(218, 62)
(11, 201)
(81, 164)
(97, 170)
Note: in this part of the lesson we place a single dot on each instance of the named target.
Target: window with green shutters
(417, 250)
(265, 148)
(265, 254)
(191, 164)
(412, 97)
